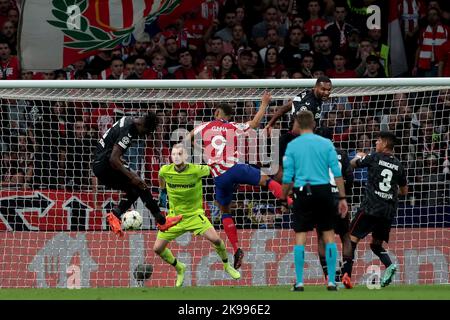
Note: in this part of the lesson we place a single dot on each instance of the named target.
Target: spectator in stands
(186, 69)
(374, 36)
(9, 64)
(140, 65)
(373, 68)
(13, 16)
(99, 63)
(323, 57)
(5, 5)
(157, 69)
(339, 31)
(140, 46)
(227, 68)
(340, 70)
(79, 65)
(181, 121)
(283, 11)
(27, 75)
(256, 68)
(60, 74)
(270, 19)
(79, 150)
(128, 68)
(365, 49)
(239, 40)
(315, 23)
(116, 70)
(272, 40)
(9, 33)
(273, 65)
(208, 67)
(49, 136)
(411, 12)
(432, 37)
(226, 33)
(172, 47)
(293, 50)
(243, 65)
(218, 47)
(307, 65)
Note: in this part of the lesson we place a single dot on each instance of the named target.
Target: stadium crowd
(47, 144)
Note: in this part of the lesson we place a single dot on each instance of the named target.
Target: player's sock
(354, 244)
(168, 257)
(323, 263)
(230, 230)
(276, 190)
(347, 266)
(222, 252)
(382, 254)
(299, 261)
(331, 256)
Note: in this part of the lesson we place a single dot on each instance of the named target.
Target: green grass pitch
(393, 292)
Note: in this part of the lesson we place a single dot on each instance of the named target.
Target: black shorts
(363, 224)
(111, 178)
(314, 211)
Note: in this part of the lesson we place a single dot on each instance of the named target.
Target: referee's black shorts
(314, 211)
(111, 178)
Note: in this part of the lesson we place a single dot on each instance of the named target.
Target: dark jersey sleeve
(366, 161)
(307, 101)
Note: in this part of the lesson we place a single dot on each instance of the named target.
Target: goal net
(53, 231)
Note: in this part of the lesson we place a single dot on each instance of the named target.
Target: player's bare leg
(219, 246)
(160, 248)
(274, 187)
(231, 231)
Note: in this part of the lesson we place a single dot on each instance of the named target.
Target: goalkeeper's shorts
(195, 223)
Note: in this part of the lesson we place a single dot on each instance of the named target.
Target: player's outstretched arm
(265, 100)
(280, 111)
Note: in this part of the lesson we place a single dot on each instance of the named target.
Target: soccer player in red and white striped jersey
(221, 151)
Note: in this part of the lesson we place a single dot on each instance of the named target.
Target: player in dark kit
(341, 225)
(112, 171)
(386, 180)
(309, 99)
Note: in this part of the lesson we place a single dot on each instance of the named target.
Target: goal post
(53, 231)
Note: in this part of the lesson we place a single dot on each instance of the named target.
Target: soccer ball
(131, 220)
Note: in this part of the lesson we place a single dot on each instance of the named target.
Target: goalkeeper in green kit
(182, 182)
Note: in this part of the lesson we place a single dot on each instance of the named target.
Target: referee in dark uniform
(307, 165)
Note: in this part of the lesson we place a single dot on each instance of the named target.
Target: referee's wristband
(342, 198)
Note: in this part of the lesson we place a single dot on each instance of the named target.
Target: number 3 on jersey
(385, 185)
